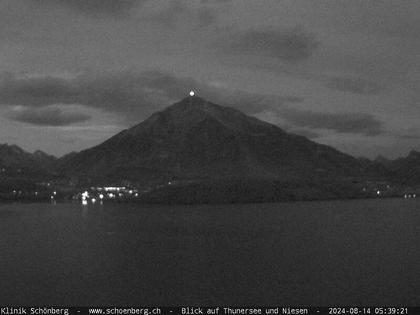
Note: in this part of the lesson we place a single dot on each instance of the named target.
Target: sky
(342, 73)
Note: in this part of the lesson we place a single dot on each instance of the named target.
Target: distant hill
(20, 169)
(14, 157)
(405, 171)
(383, 161)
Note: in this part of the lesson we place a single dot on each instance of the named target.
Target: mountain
(406, 171)
(197, 141)
(21, 170)
(14, 157)
(43, 157)
(383, 161)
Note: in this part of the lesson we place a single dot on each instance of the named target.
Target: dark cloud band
(96, 8)
(353, 85)
(356, 123)
(289, 45)
(48, 117)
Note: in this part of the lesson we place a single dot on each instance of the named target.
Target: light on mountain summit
(192, 93)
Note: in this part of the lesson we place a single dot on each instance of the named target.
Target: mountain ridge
(13, 155)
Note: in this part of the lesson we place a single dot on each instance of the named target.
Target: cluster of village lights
(109, 193)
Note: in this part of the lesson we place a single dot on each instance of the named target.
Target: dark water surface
(304, 253)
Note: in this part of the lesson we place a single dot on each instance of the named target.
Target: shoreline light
(192, 93)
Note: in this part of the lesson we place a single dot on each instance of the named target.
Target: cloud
(355, 123)
(353, 85)
(408, 136)
(38, 91)
(412, 133)
(170, 16)
(206, 17)
(132, 95)
(96, 8)
(253, 103)
(289, 45)
(48, 116)
(216, 1)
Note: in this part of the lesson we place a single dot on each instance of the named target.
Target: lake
(358, 252)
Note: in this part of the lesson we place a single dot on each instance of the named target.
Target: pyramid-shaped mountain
(197, 140)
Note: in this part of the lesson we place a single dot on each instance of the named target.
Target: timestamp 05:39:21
(368, 310)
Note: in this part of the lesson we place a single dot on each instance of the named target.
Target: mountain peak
(193, 99)
(193, 103)
(12, 148)
(414, 154)
(381, 159)
(194, 110)
(40, 153)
